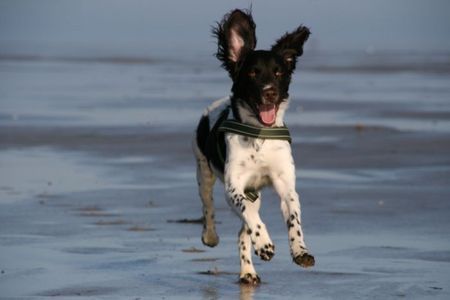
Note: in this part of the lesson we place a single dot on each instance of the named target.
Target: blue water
(151, 63)
(404, 92)
(168, 26)
(377, 221)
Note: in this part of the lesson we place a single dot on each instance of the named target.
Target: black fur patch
(241, 22)
(202, 134)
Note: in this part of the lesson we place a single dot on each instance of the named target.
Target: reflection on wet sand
(246, 291)
(98, 183)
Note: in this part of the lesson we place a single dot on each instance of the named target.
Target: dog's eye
(278, 73)
(252, 74)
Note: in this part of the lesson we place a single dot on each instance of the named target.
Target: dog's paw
(266, 252)
(304, 260)
(249, 278)
(210, 238)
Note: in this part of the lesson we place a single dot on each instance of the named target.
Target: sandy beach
(98, 190)
(99, 100)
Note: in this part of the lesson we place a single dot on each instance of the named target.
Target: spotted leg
(248, 274)
(248, 211)
(290, 207)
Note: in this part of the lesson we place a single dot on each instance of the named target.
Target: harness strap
(271, 133)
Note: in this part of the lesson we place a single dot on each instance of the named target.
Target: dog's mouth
(268, 113)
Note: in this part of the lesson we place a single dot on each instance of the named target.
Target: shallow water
(95, 160)
(168, 93)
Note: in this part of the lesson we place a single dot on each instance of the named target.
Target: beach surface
(98, 193)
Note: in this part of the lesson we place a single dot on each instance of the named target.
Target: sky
(141, 27)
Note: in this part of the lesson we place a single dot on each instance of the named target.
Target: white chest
(256, 160)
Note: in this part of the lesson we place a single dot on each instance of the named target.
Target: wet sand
(97, 170)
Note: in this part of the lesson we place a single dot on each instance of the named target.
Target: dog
(252, 150)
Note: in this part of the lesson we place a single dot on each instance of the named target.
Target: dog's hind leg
(206, 180)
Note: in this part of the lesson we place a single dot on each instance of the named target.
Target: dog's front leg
(248, 210)
(284, 184)
(248, 273)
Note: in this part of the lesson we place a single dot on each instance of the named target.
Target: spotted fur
(260, 83)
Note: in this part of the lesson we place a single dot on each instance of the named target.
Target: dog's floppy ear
(236, 37)
(290, 45)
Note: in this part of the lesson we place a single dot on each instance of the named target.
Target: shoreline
(92, 205)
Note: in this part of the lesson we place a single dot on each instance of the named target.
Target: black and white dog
(259, 99)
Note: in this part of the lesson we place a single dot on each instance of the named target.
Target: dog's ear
(236, 37)
(290, 46)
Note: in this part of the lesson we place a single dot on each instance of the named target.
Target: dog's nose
(270, 94)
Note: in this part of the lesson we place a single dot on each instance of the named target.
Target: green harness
(232, 126)
(270, 133)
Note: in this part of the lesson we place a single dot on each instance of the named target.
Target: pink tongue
(267, 113)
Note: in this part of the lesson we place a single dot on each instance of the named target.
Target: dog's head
(260, 77)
